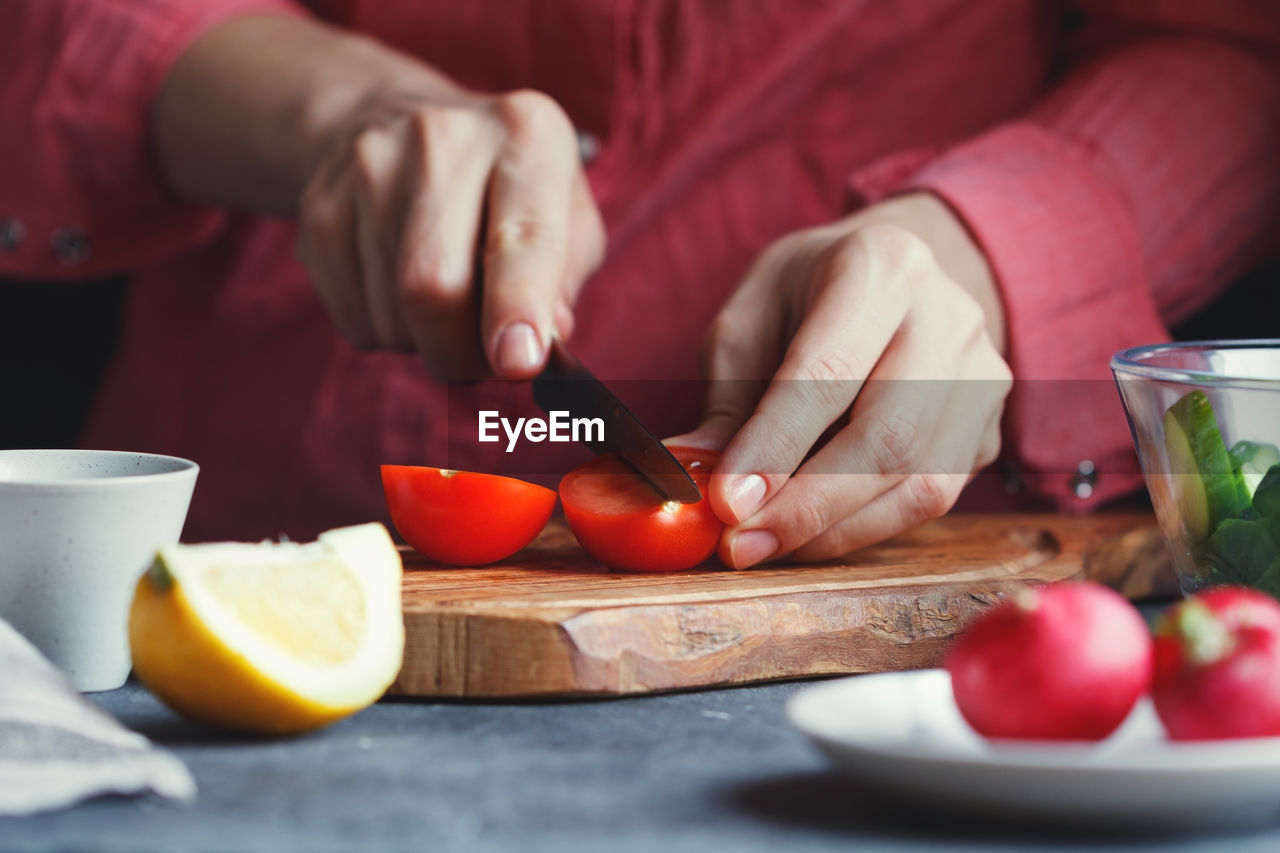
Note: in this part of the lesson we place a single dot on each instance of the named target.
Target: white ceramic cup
(77, 530)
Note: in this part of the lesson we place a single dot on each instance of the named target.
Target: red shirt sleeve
(1138, 190)
(80, 194)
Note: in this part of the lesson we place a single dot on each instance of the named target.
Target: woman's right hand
(431, 218)
(459, 226)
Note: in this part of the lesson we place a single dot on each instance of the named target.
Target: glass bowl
(1205, 418)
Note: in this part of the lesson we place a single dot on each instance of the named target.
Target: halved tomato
(621, 521)
(463, 518)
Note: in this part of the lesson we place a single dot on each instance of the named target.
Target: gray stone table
(709, 772)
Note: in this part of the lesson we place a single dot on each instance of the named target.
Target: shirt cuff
(93, 199)
(1068, 260)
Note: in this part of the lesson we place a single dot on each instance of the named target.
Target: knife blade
(565, 385)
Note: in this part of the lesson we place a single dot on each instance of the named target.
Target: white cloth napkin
(57, 749)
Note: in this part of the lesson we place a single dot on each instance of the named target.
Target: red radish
(1217, 671)
(1064, 662)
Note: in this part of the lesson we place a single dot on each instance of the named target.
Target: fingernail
(751, 547)
(745, 496)
(518, 348)
(693, 439)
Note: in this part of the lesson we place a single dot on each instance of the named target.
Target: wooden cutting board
(550, 622)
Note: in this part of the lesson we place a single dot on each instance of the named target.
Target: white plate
(901, 732)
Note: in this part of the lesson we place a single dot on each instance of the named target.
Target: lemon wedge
(271, 637)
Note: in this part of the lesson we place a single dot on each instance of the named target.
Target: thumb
(740, 353)
(729, 403)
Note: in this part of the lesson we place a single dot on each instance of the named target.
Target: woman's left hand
(857, 383)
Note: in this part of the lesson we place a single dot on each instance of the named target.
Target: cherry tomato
(1062, 662)
(1217, 672)
(621, 521)
(463, 518)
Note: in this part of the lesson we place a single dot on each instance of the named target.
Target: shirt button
(70, 245)
(1086, 475)
(12, 233)
(588, 147)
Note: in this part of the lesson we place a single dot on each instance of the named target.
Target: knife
(565, 385)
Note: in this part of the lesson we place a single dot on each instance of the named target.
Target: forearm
(250, 109)
(1135, 191)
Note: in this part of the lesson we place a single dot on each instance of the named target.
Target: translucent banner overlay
(1056, 427)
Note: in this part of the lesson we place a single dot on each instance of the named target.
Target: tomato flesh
(622, 522)
(464, 518)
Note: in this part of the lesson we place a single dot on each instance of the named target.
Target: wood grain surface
(551, 622)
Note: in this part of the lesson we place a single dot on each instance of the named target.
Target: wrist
(250, 109)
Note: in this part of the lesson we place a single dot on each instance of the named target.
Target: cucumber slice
(1209, 489)
(1253, 460)
(1241, 551)
(1266, 500)
(1193, 503)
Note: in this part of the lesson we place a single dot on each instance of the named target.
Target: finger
(930, 488)
(882, 445)
(564, 320)
(991, 441)
(378, 160)
(919, 497)
(451, 154)
(971, 438)
(526, 251)
(327, 248)
(995, 381)
(744, 345)
(740, 350)
(587, 240)
(859, 308)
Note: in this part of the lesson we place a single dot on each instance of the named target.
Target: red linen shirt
(1115, 160)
